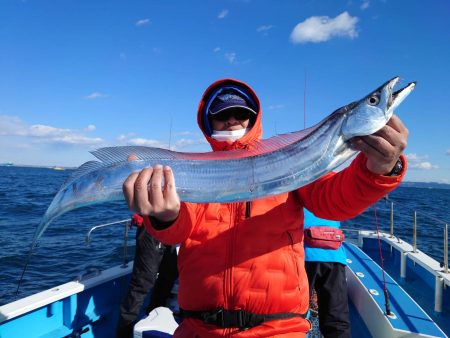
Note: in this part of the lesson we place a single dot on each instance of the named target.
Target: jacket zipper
(235, 212)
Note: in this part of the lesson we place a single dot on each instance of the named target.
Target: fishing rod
(385, 291)
(19, 283)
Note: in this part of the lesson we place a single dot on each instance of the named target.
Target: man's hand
(145, 195)
(384, 147)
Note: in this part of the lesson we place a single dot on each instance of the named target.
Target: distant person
(241, 264)
(326, 275)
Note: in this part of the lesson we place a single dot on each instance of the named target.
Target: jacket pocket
(294, 257)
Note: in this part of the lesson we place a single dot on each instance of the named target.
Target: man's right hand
(145, 194)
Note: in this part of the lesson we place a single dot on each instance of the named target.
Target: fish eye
(373, 100)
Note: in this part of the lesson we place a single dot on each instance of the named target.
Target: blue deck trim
(93, 312)
(410, 317)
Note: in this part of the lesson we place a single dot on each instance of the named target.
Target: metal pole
(415, 231)
(392, 220)
(403, 257)
(438, 291)
(446, 248)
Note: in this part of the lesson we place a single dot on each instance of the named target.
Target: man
(151, 257)
(326, 275)
(240, 265)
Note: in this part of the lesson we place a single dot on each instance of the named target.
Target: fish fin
(110, 155)
(259, 147)
(83, 169)
(118, 154)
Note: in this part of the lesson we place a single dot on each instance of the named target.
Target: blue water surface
(62, 253)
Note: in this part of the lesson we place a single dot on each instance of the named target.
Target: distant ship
(6, 164)
(58, 168)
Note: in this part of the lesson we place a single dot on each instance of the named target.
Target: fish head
(370, 114)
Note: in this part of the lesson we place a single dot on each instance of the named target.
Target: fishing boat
(395, 290)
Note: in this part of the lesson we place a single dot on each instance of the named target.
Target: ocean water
(62, 254)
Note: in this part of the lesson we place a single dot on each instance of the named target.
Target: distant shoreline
(426, 185)
(54, 167)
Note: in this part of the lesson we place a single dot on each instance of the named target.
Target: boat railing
(126, 223)
(425, 216)
(439, 268)
(444, 261)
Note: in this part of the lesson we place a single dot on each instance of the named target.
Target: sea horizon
(405, 183)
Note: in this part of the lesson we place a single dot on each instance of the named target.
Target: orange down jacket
(256, 264)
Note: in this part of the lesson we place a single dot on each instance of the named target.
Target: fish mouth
(397, 97)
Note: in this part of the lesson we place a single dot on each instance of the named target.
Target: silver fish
(276, 165)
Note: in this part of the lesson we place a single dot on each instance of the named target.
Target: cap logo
(229, 97)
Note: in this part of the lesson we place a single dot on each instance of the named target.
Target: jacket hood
(250, 139)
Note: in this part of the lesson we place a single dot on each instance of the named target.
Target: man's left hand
(384, 147)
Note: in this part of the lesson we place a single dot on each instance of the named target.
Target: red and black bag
(324, 237)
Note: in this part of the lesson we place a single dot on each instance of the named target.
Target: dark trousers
(150, 258)
(328, 279)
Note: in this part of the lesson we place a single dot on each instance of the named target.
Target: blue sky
(76, 75)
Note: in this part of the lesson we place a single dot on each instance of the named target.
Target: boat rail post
(438, 290)
(446, 248)
(392, 221)
(403, 257)
(125, 245)
(415, 231)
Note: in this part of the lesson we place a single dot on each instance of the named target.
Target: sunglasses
(238, 114)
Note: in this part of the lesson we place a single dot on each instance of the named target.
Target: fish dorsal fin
(118, 154)
(282, 140)
(83, 169)
(108, 155)
(259, 147)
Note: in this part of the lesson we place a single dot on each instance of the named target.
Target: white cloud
(13, 126)
(223, 14)
(322, 28)
(423, 165)
(216, 50)
(365, 5)
(95, 95)
(90, 127)
(143, 22)
(185, 143)
(276, 106)
(231, 57)
(121, 138)
(182, 141)
(147, 142)
(264, 28)
(418, 162)
(413, 157)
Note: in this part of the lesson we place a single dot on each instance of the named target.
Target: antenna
(304, 102)
(170, 132)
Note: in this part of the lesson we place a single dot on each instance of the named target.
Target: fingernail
(158, 166)
(167, 167)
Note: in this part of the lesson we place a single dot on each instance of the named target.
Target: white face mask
(228, 135)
